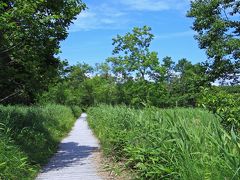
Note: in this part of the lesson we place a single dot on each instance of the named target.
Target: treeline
(30, 33)
(176, 85)
(133, 76)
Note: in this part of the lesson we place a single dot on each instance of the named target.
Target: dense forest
(33, 81)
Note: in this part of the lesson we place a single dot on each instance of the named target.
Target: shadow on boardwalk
(69, 154)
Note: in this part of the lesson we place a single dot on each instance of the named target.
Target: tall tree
(218, 27)
(30, 33)
(133, 54)
(168, 69)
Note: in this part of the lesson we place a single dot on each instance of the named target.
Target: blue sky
(90, 36)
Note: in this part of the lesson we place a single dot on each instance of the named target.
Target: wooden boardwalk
(73, 161)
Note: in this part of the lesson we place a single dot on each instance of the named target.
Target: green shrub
(76, 111)
(167, 144)
(225, 105)
(34, 134)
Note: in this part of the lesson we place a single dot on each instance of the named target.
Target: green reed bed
(29, 136)
(167, 143)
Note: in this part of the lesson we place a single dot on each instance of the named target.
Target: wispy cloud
(175, 35)
(150, 5)
(154, 5)
(119, 14)
(99, 17)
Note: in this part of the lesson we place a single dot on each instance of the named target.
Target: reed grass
(29, 136)
(167, 143)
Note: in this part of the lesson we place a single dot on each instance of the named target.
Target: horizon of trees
(134, 76)
(30, 33)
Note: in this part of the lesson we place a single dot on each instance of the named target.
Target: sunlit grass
(167, 143)
(29, 136)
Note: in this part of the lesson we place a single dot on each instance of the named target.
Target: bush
(225, 105)
(76, 111)
(32, 134)
(167, 144)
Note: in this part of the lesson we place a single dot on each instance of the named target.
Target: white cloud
(146, 5)
(175, 35)
(100, 17)
(154, 5)
(118, 14)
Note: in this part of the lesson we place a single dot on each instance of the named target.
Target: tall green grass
(167, 144)
(29, 136)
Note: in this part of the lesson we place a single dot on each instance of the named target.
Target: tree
(30, 33)
(133, 55)
(182, 66)
(70, 90)
(103, 69)
(218, 27)
(168, 69)
(79, 72)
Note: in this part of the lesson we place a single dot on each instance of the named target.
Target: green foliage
(173, 85)
(234, 90)
(30, 35)
(76, 110)
(132, 77)
(141, 79)
(81, 90)
(29, 136)
(133, 54)
(226, 105)
(168, 143)
(14, 164)
(217, 24)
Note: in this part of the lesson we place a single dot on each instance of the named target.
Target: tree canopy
(132, 53)
(30, 33)
(218, 27)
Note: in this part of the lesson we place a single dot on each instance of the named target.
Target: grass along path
(74, 159)
(29, 136)
(180, 143)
